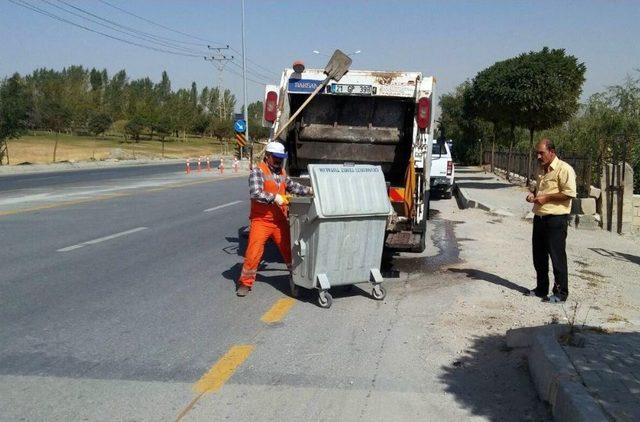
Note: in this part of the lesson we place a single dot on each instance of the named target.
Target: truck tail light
(449, 168)
(423, 115)
(271, 106)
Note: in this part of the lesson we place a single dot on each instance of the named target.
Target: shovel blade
(338, 65)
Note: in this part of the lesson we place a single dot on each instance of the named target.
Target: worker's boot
(242, 290)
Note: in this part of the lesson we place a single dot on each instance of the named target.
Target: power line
(127, 28)
(158, 24)
(36, 9)
(269, 71)
(255, 74)
(179, 51)
(256, 64)
(144, 37)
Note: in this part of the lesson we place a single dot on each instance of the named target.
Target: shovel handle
(292, 118)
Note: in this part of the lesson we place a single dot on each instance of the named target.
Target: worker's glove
(310, 191)
(281, 200)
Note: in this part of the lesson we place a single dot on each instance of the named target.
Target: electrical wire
(158, 24)
(130, 32)
(153, 37)
(269, 71)
(36, 9)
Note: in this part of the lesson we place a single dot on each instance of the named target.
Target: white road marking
(101, 239)
(222, 206)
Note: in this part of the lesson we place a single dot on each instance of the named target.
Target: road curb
(554, 376)
(466, 201)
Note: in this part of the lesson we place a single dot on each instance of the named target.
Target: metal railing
(519, 165)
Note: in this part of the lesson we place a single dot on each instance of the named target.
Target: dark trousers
(549, 240)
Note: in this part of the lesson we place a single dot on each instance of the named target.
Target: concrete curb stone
(466, 201)
(554, 376)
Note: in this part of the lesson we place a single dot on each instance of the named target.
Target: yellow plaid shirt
(561, 178)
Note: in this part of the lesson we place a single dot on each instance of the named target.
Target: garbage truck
(367, 117)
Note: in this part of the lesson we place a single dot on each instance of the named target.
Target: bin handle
(303, 248)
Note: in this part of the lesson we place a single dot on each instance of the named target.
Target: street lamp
(353, 53)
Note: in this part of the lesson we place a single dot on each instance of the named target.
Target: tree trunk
(531, 131)
(163, 148)
(4, 151)
(493, 146)
(55, 148)
(509, 160)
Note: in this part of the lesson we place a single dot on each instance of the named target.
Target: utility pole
(244, 79)
(219, 60)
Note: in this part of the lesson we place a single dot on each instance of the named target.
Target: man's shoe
(534, 293)
(554, 299)
(242, 290)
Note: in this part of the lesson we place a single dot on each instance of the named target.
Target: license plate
(351, 89)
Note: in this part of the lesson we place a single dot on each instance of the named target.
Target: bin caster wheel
(295, 290)
(378, 293)
(325, 299)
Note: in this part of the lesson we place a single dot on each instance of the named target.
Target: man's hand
(541, 199)
(310, 191)
(531, 197)
(281, 200)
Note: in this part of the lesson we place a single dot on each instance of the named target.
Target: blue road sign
(240, 126)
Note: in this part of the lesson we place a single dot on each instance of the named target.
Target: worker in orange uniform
(268, 188)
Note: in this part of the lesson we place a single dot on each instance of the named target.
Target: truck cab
(368, 117)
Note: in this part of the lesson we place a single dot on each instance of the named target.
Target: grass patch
(38, 148)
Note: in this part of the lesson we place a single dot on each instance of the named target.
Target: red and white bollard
(221, 166)
(236, 164)
(208, 164)
(188, 166)
(199, 164)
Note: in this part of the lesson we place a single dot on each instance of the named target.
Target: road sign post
(240, 127)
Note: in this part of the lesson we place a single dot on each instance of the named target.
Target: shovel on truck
(336, 68)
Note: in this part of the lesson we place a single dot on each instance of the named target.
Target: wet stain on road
(444, 240)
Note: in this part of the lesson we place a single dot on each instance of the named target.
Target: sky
(451, 40)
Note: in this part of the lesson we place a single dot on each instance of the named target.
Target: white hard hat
(276, 149)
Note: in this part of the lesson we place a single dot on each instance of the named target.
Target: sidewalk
(596, 375)
(491, 192)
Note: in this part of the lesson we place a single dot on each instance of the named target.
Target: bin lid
(343, 190)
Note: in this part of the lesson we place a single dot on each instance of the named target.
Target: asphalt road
(123, 308)
(74, 177)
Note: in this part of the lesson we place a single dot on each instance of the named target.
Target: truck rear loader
(368, 117)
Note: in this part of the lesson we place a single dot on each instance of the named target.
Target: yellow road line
(278, 310)
(63, 204)
(219, 373)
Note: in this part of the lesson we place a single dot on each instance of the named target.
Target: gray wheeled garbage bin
(337, 235)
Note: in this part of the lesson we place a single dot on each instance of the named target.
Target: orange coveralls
(267, 221)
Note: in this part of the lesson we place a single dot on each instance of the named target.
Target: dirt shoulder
(496, 252)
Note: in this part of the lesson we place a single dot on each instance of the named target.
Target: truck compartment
(335, 129)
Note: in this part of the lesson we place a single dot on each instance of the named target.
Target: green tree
(15, 105)
(458, 124)
(134, 127)
(98, 123)
(254, 112)
(484, 100)
(548, 84)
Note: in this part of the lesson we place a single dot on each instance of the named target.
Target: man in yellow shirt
(551, 205)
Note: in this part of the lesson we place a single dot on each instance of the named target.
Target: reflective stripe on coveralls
(267, 221)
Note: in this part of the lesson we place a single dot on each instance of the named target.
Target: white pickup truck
(442, 169)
